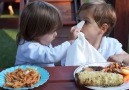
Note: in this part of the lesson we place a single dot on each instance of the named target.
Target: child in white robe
(39, 23)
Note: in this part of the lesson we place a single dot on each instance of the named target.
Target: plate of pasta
(23, 77)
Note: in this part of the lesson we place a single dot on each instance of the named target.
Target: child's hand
(74, 33)
(116, 58)
(123, 57)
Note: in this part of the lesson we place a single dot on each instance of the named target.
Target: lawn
(7, 47)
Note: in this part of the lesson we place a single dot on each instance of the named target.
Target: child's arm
(123, 57)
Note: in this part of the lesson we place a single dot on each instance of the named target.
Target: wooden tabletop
(61, 78)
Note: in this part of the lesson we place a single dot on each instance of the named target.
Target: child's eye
(87, 22)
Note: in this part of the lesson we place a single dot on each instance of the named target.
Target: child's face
(47, 38)
(90, 29)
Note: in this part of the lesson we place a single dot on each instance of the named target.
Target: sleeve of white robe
(37, 53)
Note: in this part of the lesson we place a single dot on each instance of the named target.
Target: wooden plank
(122, 28)
(60, 86)
(21, 6)
(35, 0)
(66, 8)
(9, 23)
(67, 11)
(62, 35)
(59, 0)
(59, 71)
(17, 1)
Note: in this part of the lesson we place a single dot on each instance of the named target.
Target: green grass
(8, 16)
(7, 47)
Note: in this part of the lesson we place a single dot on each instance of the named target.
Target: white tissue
(80, 25)
(82, 52)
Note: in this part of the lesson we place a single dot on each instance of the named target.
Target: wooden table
(61, 78)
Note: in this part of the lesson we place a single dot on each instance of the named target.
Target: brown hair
(38, 18)
(102, 13)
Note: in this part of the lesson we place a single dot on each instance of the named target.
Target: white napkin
(80, 24)
(81, 52)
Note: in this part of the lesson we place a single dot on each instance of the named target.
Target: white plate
(44, 76)
(124, 86)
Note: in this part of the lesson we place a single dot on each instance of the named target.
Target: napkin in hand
(80, 24)
(82, 52)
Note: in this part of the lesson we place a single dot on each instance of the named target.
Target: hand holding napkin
(82, 52)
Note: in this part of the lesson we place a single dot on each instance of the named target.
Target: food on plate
(125, 71)
(126, 78)
(125, 68)
(88, 69)
(98, 78)
(113, 68)
(93, 68)
(112, 75)
(22, 78)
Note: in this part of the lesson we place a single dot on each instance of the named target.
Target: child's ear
(104, 28)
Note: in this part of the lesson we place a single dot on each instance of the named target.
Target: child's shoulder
(110, 42)
(30, 44)
(31, 47)
(111, 45)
